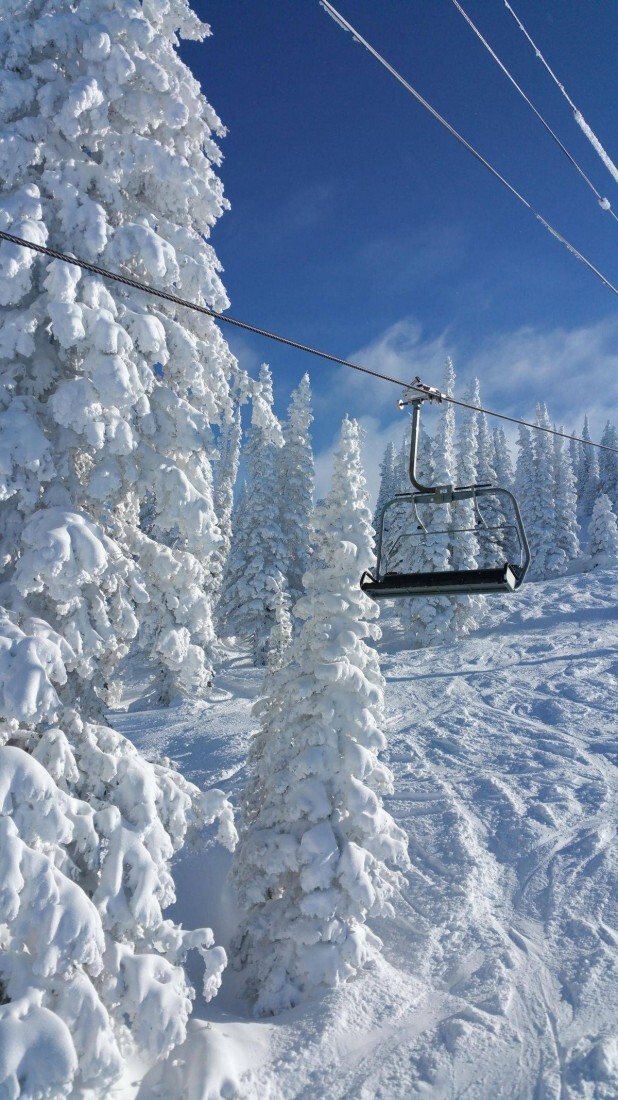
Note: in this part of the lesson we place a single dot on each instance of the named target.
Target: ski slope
(499, 972)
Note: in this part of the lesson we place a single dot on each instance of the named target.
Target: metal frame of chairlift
(507, 577)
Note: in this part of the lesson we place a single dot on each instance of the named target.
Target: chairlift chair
(391, 583)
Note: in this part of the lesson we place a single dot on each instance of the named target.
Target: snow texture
(497, 977)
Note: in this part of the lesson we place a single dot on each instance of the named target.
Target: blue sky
(360, 226)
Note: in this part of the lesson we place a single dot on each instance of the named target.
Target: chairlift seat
(386, 583)
(442, 582)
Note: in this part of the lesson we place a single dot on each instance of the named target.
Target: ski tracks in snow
(498, 979)
(517, 729)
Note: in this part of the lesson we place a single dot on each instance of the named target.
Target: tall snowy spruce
(535, 491)
(318, 852)
(587, 472)
(603, 533)
(253, 580)
(388, 482)
(565, 502)
(296, 479)
(465, 552)
(608, 464)
(105, 150)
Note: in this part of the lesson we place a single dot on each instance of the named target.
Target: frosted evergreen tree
(575, 454)
(608, 464)
(524, 469)
(280, 631)
(603, 533)
(493, 545)
(126, 387)
(444, 458)
(525, 483)
(503, 462)
(388, 482)
(254, 575)
(296, 487)
(469, 609)
(318, 851)
(588, 487)
(547, 558)
(565, 498)
(103, 395)
(226, 473)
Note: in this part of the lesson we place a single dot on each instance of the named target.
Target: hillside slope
(499, 973)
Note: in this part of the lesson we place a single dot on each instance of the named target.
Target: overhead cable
(167, 296)
(603, 202)
(579, 118)
(466, 144)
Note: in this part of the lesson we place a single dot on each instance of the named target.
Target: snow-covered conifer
(565, 498)
(254, 574)
(225, 475)
(575, 454)
(608, 464)
(103, 396)
(296, 487)
(588, 487)
(125, 387)
(493, 545)
(444, 458)
(603, 533)
(534, 489)
(503, 462)
(317, 853)
(465, 550)
(387, 488)
(281, 630)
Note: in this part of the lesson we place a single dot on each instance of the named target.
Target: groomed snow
(498, 977)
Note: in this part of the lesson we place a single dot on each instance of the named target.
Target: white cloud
(574, 371)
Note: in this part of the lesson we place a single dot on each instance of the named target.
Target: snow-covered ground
(499, 972)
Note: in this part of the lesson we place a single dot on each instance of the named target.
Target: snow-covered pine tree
(469, 609)
(565, 497)
(254, 576)
(281, 630)
(603, 533)
(503, 462)
(493, 546)
(575, 454)
(388, 482)
(524, 479)
(534, 489)
(225, 475)
(588, 487)
(102, 134)
(296, 487)
(608, 464)
(444, 455)
(127, 387)
(317, 854)
(398, 517)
